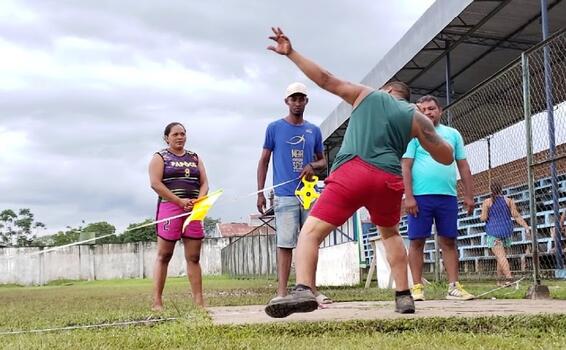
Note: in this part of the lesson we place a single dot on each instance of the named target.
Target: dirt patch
(385, 310)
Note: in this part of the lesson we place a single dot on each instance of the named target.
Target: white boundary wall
(107, 261)
(339, 265)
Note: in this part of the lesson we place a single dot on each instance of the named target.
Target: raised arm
(423, 130)
(349, 92)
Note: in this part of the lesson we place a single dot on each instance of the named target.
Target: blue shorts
(289, 218)
(442, 209)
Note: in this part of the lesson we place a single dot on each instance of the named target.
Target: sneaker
(458, 293)
(418, 292)
(300, 299)
(275, 299)
(404, 304)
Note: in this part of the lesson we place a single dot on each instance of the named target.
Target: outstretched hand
(283, 46)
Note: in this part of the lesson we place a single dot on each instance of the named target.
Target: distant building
(257, 224)
(234, 229)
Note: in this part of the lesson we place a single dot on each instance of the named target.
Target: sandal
(323, 299)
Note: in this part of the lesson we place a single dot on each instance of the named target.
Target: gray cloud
(87, 88)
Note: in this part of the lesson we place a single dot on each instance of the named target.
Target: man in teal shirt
(431, 195)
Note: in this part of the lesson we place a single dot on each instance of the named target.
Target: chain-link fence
(514, 129)
(546, 104)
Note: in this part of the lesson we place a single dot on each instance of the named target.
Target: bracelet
(312, 167)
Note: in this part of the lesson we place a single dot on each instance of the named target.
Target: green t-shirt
(429, 176)
(378, 132)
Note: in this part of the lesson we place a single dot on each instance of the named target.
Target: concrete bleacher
(474, 255)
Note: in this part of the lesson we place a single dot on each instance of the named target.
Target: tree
(99, 229)
(210, 226)
(144, 234)
(20, 229)
(72, 235)
(6, 226)
(77, 234)
(67, 237)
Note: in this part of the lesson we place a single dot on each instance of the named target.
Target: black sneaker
(404, 304)
(300, 299)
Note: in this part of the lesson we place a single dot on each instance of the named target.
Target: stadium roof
(480, 37)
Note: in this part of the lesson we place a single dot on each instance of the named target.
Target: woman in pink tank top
(179, 178)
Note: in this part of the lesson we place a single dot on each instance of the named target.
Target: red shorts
(357, 184)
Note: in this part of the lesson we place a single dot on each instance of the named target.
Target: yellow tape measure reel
(307, 194)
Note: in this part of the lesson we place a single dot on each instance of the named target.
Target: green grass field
(74, 303)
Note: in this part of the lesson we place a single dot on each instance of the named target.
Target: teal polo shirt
(429, 176)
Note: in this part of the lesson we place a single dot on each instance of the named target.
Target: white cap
(296, 88)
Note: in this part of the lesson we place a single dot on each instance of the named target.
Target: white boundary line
(90, 326)
(498, 288)
(272, 187)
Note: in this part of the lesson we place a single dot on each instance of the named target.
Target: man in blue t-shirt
(431, 195)
(296, 146)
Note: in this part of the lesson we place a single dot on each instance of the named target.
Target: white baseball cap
(296, 88)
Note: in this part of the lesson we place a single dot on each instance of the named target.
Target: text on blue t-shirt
(292, 147)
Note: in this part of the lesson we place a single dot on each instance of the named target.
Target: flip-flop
(323, 299)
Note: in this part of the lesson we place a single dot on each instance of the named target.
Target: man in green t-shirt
(366, 173)
(431, 195)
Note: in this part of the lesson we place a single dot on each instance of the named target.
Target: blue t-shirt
(430, 176)
(293, 147)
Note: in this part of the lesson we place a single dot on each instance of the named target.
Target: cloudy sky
(86, 88)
